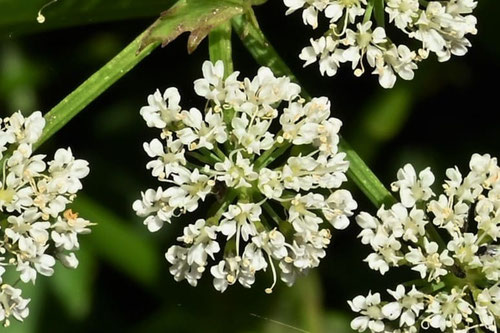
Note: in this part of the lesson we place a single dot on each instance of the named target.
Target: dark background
(447, 113)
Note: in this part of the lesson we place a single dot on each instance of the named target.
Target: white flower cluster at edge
(440, 27)
(36, 228)
(450, 240)
(263, 159)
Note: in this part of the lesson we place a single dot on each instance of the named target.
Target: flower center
(7, 195)
(364, 39)
(374, 312)
(433, 261)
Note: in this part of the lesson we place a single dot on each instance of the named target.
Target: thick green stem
(379, 9)
(263, 52)
(365, 179)
(219, 46)
(89, 90)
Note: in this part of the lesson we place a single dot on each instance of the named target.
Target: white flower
(444, 33)
(446, 215)
(238, 156)
(193, 187)
(402, 12)
(488, 307)
(464, 270)
(442, 27)
(352, 8)
(412, 189)
(464, 249)
(11, 303)
(270, 183)
(162, 110)
(201, 133)
(230, 270)
(238, 173)
(431, 264)
(253, 137)
(329, 54)
(212, 85)
(203, 241)
(25, 130)
(371, 313)
(363, 42)
(395, 60)
(407, 307)
(240, 219)
(154, 201)
(448, 311)
(66, 230)
(180, 269)
(34, 193)
(66, 172)
(168, 161)
(340, 206)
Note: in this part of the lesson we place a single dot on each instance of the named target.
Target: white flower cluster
(451, 241)
(441, 27)
(266, 163)
(36, 227)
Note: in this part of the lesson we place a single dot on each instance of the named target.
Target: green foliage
(115, 241)
(381, 120)
(92, 88)
(198, 17)
(73, 287)
(20, 17)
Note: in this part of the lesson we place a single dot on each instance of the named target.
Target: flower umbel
(36, 227)
(440, 27)
(266, 164)
(451, 241)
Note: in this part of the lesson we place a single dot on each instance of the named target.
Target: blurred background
(448, 112)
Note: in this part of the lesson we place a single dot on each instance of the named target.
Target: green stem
(379, 8)
(263, 52)
(260, 48)
(219, 46)
(368, 12)
(202, 158)
(219, 208)
(271, 155)
(219, 153)
(364, 178)
(94, 86)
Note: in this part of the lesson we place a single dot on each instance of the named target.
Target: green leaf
(198, 17)
(20, 17)
(337, 322)
(74, 287)
(118, 242)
